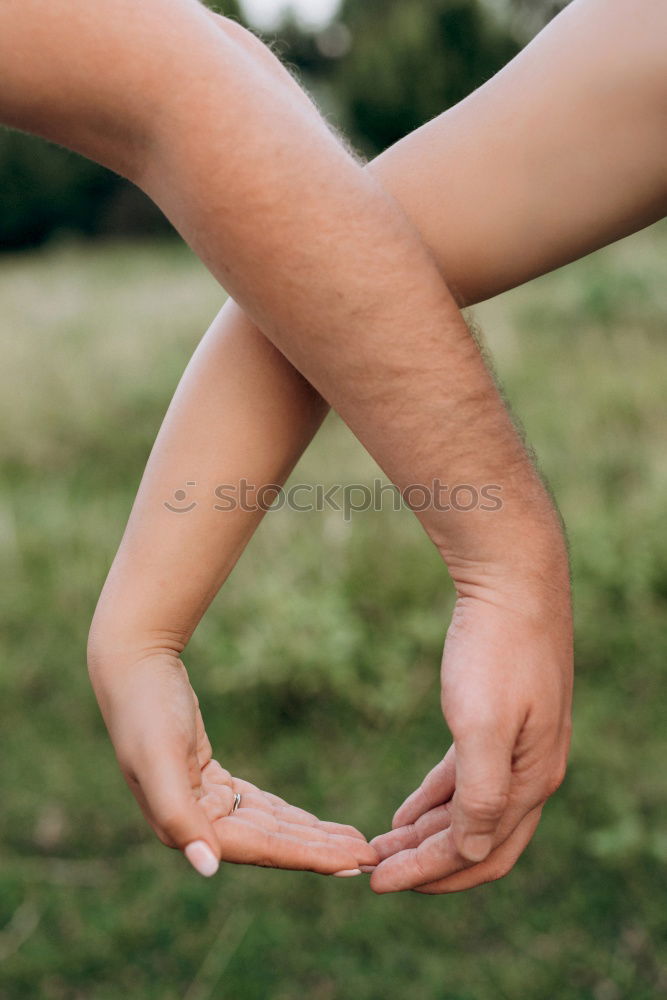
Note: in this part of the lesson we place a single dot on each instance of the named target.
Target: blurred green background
(317, 666)
(379, 69)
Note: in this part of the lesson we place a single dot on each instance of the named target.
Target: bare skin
(240, 382)
(525, 221)
(389, 387)
(159, 725)
(395, 337)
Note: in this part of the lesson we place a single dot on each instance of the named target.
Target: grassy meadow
(317, 666)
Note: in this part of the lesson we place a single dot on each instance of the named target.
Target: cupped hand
(506, 697)
(158, 733)
(267, 831)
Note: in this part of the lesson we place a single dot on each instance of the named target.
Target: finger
(252, 810)
(250, 842)
(343, 829)
(436, 788)
(297, 816)
(216, 775)
(273, 814)
(168, 789)
(204, 749)
(437, 855)
(428, 861)
(498, 864)
(411, 835)
(218, 804)
(308, 817)
(483, 778)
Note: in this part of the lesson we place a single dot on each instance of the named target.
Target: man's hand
(154, 720)
(506, 692)
(336, 276)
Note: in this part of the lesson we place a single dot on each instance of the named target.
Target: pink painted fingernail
(202, 858)
(347, 873)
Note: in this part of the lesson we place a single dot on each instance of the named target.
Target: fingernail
(202, 858)
(368, 869)
(477, 846)
(348, 873)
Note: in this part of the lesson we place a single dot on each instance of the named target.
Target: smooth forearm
(313, 248)
(413, 386)
(241, 412)
(324, 261)
(560, 153)
(90, 77)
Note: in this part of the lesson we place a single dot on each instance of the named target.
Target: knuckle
(420, 796)
(464, 722)
(412, 832)
(555, 779)
(266, 857)
(419, 868)
(469, 716)
(484, 805)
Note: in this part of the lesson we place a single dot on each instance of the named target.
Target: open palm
(158, 732)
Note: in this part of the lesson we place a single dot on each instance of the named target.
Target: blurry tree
(380, 70)
(386, 66)
(45, 190)
(409, 60)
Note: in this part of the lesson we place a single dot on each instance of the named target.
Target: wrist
(120, 668)
(116, 645)
(519, 551)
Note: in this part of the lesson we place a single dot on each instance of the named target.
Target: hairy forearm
(383, 342)
(324, 261)
(241, 412)
(489, 228)
(311, 246)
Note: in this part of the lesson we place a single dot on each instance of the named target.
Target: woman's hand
(265, 830)
(157, 730)
(506, 695)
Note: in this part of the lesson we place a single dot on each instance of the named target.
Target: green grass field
(317, 667)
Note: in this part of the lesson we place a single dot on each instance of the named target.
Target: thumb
(168, 789)
(483, 776)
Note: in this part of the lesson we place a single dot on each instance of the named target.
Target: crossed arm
(489, 227)
(392, 355)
